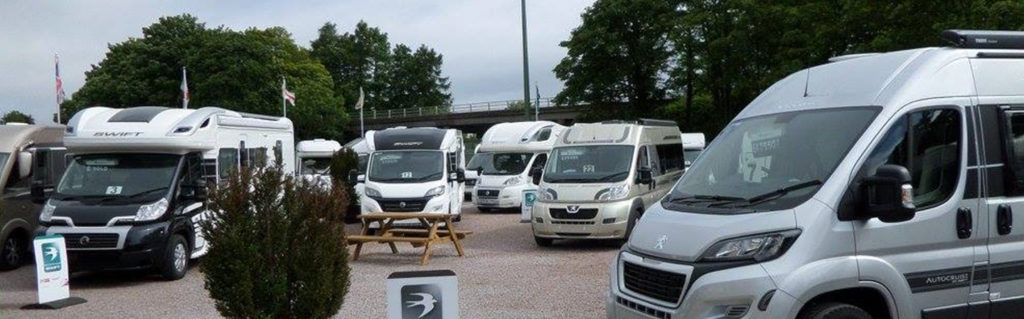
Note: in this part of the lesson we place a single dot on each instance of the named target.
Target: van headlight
(759, 248)
(151, 211)
(436, 191)
(370, 192)
(616, 192)
(546, 193)
(47, 214)
(515, 180)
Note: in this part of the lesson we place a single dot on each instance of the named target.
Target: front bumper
(508, 197)
(138, 246)
(610, 222)
(713, 295)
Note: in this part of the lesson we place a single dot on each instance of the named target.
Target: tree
(391, 78)
(17, 117)
(240, 71)
(277, 247)
(618, 54)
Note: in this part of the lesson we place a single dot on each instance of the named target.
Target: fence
(373, 114)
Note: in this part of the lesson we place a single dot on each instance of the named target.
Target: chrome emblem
(572, 209)
(84, 241)
(401, 204)
(661, 242)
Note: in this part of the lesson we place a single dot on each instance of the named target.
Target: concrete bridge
(470, 118)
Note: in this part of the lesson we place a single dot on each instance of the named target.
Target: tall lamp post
(526, 68)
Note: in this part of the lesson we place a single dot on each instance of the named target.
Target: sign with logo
(51, 268)
(529, 198)
(431, 294)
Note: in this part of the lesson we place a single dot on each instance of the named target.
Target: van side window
(671, 157)
(1014, 142)
(539, 162)
(15, 184)
(641, 158)
(927, 143)
(653, 162)
(227, 161)
(543, 135)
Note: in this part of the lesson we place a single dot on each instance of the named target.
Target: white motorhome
(134, 192)
(31, 162)
(314, 160)
(415, 170)
(602, 176)
(876, 186)
(473, 168)
(693, 144)
(508, 152)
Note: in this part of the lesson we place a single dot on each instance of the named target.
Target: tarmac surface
(504, 275)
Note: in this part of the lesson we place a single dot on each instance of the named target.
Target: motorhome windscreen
(316, 165)
(478, 160)
(406, 166)
(506, 163)
(589, 164)
(770, 162)
(128, 177)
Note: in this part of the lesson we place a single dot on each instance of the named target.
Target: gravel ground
(504, 275)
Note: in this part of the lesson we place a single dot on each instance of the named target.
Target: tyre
(484, 209)
(12, 253)
(543, 242)
(835, 310)
(458, 218)
(634, 218)
(176, 256)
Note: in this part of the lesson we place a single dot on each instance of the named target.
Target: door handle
(964, 223)
(1004, 219)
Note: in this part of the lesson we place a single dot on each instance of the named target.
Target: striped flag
(185, 97)
(60, 83)
(285, 94)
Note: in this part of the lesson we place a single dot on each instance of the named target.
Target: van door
(1004, 187)
(935, 251)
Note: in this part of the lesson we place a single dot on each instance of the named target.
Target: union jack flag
(287, 95)
(60, 83)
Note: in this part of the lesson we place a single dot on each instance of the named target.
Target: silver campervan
(32, 160)
(876, 186)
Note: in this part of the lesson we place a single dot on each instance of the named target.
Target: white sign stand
(52, 280)
(529, 197)
(431, 294)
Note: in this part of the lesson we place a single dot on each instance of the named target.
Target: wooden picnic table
(427, 238)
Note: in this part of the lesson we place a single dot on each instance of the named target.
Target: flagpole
(362, 130)
(56, 62)
(284, 101)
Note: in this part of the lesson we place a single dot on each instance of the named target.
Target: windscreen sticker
(758, 147)
(114, 190)
(406, 174)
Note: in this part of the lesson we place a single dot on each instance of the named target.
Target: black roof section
(142, 114)
(985, 39)
(421, 138)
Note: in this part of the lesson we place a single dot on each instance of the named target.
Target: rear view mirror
(535, 174)
(24, 164)
(889, 194)
(197, 192)
(644, 176)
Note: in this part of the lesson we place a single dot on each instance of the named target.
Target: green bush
(277, 247)
(344, 161)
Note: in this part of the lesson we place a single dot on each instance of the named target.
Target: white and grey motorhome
(600, 177)
(414, 170)
(693, 145)
(314, 160)
(31, 161)
(507, 153)
(134, 192)
(881, 186)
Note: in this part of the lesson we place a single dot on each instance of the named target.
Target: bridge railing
(373, 114)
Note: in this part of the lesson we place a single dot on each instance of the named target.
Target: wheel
(458, 218)
(484, 209)
(543, 242)
(634, 218)
(835, 310)
(176, 256)
(12, 254)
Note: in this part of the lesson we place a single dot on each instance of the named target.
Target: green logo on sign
(530, 197)
(51, 257)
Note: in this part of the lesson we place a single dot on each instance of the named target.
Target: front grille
(90, 241)
(570, 222)
(644, 309)
(582, 213)
(400, 205)
(487, 193)
(470, 182)
(658, 284)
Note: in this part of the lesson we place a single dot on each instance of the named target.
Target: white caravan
(314, 160)
(31, 161)
(472, 171)
(601, 177)
(881, 186)
(508, 152)
(134, 192)
(415, 170)
(693, 144)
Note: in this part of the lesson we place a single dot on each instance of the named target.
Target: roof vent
(985, 39)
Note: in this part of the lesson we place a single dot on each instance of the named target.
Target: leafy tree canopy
(17, 117)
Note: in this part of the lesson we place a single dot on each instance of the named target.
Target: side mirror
(200, 192)
(536, 174)
(353, 175)
(460, 175)
(479, 171)
(361, 178)
(24, 164)
(644, 176)
(889, 194)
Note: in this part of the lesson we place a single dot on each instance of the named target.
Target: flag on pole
(184, 89)
(359, 103)
(287, 95)
(60, 85)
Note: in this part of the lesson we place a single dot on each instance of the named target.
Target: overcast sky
(480, 39)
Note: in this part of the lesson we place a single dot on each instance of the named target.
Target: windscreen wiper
(139, 194)
(706, 198)
(780, 192)
(611, 176)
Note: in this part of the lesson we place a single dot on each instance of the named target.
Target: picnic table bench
(434, 233)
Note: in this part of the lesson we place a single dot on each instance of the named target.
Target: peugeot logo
(572, 209)
(401, 204)
(661, 242)
(84, 241)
